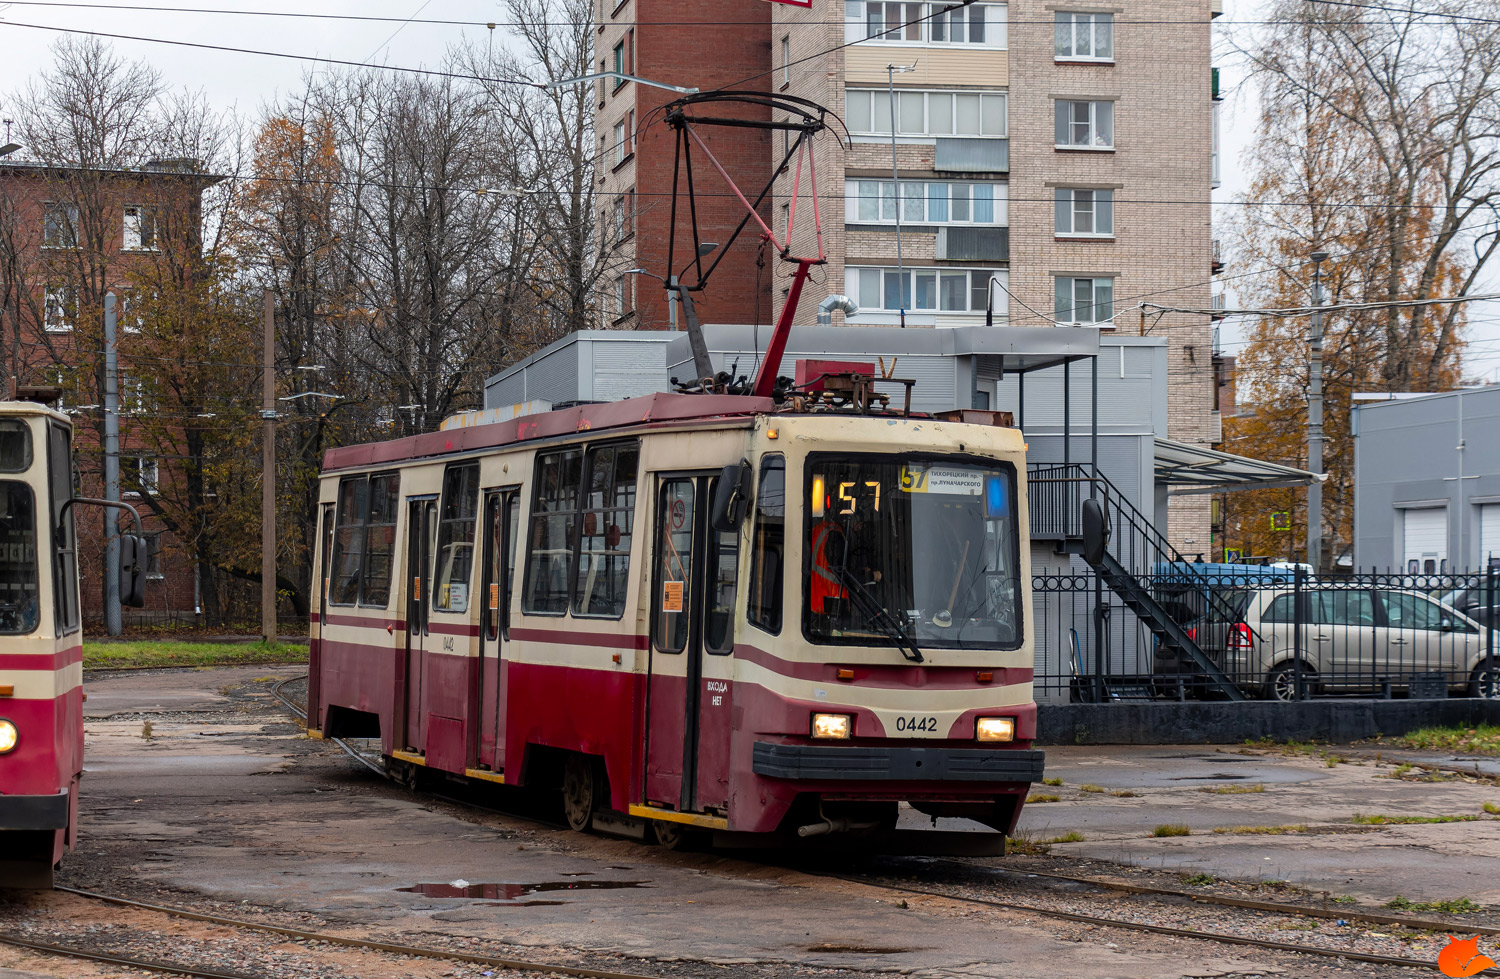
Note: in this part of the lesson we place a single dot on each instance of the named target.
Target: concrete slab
(1376, 863)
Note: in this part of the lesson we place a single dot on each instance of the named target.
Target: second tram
(690, 612)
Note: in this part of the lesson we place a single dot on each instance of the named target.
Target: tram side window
(15, 446)
(768, 547)
(65, 548)
(19, 612)
(455, 553)
(603, 572)
(364, 540)
(380, 540)
(349, 540)
(554, 518)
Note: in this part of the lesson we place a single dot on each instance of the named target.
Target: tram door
(500, 514)
(693, 590)
(421, 525)
(315, 650)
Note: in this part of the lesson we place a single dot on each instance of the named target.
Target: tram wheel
(580, 789)
(669, 835)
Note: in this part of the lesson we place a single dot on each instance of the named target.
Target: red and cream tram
(690, 611)
(41, 641)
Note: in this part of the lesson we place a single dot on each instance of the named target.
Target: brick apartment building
(1063, 150)
(68, 236)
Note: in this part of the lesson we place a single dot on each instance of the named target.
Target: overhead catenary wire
(1309, 310)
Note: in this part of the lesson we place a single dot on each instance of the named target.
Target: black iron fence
(1277, 633)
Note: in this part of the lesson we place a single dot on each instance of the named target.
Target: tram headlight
(8, 736)
(832, 726)
(995, 729)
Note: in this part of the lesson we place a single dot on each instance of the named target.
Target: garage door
(1425, 532)
(1489, 534)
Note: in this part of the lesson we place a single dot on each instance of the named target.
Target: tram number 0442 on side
(914, 723)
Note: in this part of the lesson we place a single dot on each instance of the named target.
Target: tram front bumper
(863, 763)
(34, 812)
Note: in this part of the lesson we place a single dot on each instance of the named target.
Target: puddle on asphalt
(511, 892)
(1216, 775)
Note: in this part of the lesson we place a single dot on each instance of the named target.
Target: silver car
(1352, 639)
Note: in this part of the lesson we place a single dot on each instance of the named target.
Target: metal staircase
(1138, 565)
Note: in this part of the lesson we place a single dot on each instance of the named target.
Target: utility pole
(1315, 419)
(112, 619)
(268, 475)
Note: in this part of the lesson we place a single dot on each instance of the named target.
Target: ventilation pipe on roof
(827, 306)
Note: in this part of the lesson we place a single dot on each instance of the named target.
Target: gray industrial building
(1427, 480)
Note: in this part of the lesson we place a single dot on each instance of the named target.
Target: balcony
(973, 244)
(1216, 259)
(1218, 305)
(971, 154)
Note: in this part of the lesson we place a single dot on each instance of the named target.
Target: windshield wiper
(880, 618)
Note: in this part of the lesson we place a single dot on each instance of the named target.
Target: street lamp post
(1315, 419)
(890, 84)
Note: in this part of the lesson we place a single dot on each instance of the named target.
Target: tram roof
(653, 409)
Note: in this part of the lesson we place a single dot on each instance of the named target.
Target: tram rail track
(1141, 890)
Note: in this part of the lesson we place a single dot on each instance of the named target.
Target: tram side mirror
(133, 558)
(1095, 531)
(731, 497)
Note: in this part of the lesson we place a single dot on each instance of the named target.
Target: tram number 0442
(925, 725)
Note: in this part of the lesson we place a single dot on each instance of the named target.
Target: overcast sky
(245, 82)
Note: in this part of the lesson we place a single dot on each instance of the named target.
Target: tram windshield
(913, 552)
(19, 611)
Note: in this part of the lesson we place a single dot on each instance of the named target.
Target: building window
(1085, 125)
(1085, 213)
(926, 202)
(619, 219)
(140, 228)
(620, 63)
(977, 25)
(138, 475)
(61, 308)
(1084, 37)
(59, 225)
(620, 300)
(786, 61)
(622, 144)
(1082, 300)
(153, 557)
(933, 290)
(927, 113)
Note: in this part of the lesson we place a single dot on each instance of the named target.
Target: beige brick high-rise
(981, 160)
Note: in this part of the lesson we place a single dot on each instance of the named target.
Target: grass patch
(1346, 899)
(1087, 787)
(143, 654)
(1378, 820)
(1072, 836)
(1484, 739)
(1125, 794)
(1043, 797)
(1261, 830)
(1492, 809)
(1054, 782)
(1027, 843)
(1233, 789)
(1200, 880)
(1458, 905)
(1171, 829)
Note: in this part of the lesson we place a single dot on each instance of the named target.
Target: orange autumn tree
(1373, 145)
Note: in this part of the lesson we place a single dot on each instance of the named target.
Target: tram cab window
(911, 549)
(455, 551)
(15, 445)
(19, 611)
(364, 540)
(65, 548)
(768, 547)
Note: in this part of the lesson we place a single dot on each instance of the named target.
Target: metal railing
(1365, 634)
